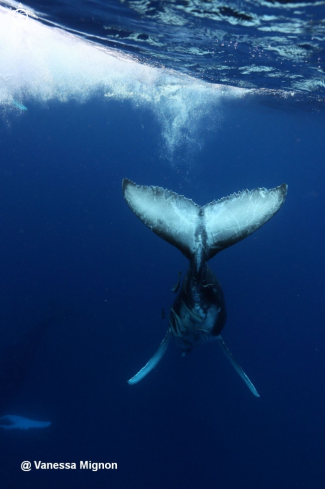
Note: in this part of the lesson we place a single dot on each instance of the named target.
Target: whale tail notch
(224, 222)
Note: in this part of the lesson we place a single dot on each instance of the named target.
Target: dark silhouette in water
(17, 359)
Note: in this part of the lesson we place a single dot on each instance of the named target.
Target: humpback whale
(198, 314)
(17, 359)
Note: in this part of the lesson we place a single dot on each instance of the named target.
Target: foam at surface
(47, 63)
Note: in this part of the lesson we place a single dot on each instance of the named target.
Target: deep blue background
(71, 248)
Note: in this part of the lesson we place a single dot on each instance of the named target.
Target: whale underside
(198, 314)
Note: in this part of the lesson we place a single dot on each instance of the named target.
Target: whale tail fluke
(221, 223)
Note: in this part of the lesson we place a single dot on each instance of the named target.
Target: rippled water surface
(265, 44)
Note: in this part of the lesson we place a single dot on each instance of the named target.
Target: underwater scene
(162, 217)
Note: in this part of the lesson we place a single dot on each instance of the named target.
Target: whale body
(198, 314)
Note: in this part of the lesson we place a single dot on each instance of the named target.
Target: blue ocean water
(90, 94)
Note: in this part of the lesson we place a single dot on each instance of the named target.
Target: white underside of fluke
(183, 223)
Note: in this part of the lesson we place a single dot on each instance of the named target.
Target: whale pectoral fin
(237, 367)
(11, 421)
(153, 361)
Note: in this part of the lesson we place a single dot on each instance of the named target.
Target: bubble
(43, 63)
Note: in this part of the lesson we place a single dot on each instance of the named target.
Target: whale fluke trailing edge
(199, 313)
